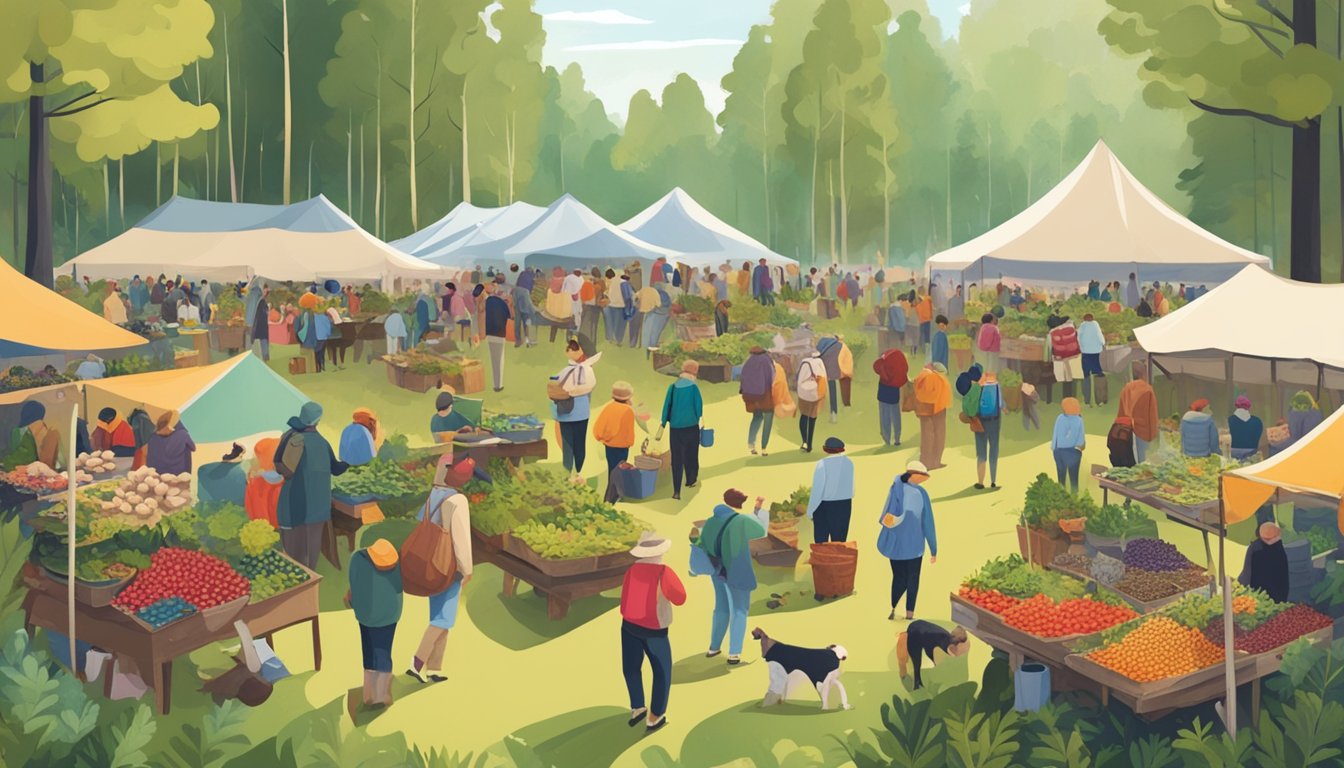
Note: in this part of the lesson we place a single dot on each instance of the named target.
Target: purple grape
(1154, 555)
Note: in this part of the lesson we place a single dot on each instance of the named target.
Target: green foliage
(380, 477)
(214, 742)
(46, 712)
(1114, 521)
(257, 536)
(1214, 749)
(1047, 502)
(397, 447)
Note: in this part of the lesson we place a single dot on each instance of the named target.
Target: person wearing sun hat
(648, 592)
(171, 446)
(359, 439)
(1245, 429)
(907, 527)
(832, 497)
(615, 428)
(375, 596)
(1199, 432)
(305, 459)
(1068, 440)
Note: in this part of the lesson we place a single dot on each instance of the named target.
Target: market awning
(1310, 466)
(34, 316)
(218, 403)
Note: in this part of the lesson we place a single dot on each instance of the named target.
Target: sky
(628, 45)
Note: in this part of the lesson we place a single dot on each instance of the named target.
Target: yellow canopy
(1310, 465)
(34, 316)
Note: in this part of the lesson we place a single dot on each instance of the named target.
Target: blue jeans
(987, 446)
(636, 643)
(1067, 462)
(729, 601)
(761, 421)
(890, 416)
(1141, 448)
(654, 323)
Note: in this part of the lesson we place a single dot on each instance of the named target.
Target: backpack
(716, 557)
(428, 566)
(1120, 443)
(809, 388)
(989, 401)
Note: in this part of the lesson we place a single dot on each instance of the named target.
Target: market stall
(678, 223)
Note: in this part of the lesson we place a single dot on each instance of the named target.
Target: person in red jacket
(649, 591)
(893, 371)
(1064, 349)
(113, 434)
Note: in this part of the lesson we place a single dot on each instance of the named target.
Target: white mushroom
(161, 489)
(142, 510)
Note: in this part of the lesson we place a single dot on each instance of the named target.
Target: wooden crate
(1143, 695)
(396, 375)
(561, 568)
(1024, 349)
(716, 373)
(227, 337)
(419, 382)
(297, 366)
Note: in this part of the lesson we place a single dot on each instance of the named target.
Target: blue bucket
(637, 483)
(706, 438)
(1031, 686)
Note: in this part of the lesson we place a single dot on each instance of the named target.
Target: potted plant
(959, 346)
(1010, 384)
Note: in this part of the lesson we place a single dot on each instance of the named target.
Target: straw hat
(622, 390)
(651, 545)
(917, 468)
(383, 554)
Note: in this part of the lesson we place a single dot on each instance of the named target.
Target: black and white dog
(789, 666)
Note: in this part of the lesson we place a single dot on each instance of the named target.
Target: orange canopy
(1310, 465)
(37, 317)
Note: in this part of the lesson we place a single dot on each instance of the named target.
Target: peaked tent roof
(1197, 338)
(1099, 222)
(678, 223)
(454, 226)
(1310, 465)
(34, 319)
(307, 240)
(480, 245)
(571, 230)
(235, 398)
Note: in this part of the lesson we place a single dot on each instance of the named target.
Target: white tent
(308, 240)
(570, 234)
(481, 245)
(1098, 223)
(456, 225)
(1215, 337)
(678, 223)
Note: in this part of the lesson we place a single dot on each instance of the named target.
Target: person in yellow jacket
(785, 408)
(615, 426)
(933, 395)
(811, 395)
(846, 361)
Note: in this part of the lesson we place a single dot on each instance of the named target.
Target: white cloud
(656, 45)
(596, 17)
(964, 10)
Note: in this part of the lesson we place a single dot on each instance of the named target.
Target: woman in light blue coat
(907, 526)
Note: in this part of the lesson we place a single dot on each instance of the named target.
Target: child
(375, 596)
(1030, 419)
(938, 350)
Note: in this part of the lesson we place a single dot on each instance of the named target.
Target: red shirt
(892, 369)
(639, 593)
(118, 434)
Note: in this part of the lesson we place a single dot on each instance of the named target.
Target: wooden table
(514, 452)
(346, 520)
(1193, 517)
(558, 591)
(154, 651)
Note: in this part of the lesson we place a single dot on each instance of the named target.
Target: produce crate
(1044, 546)
(488, 543)
(1142, 695)
(419, 382)
(961, 359)
(774, 553)
(987, 623)
(521, 435)
(1024, 349)
(1318, 637)
(694, 331)
(297, 365)
(396, 375)
(227, 338)
(93, 594)
(661, 359)
(186, 360)
(716, 373)
(560, 568)
(220, 616)
(469, 381)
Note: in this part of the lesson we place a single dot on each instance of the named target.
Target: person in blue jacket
(683, 411)
(359, 438)
(907, 526)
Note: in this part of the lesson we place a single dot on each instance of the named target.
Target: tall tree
(78, 66)
(1242, 59)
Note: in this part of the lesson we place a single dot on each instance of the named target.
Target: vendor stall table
(559, 591)
(514, 452)
(1202, 517)
(346, 520)
(154, 651)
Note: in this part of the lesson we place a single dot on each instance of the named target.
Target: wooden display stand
(153, 651)
(514, 452)
(559, 591)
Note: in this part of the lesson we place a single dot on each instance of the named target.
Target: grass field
(557, 684)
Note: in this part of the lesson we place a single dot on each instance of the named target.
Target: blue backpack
(990, 403)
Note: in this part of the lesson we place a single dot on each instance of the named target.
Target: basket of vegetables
(516, 428)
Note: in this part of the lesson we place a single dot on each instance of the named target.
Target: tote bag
(428, 566)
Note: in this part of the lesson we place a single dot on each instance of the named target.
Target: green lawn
(557, 685)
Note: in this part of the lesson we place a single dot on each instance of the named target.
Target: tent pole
(70, 538)
(1228, 365)
(1229, 671)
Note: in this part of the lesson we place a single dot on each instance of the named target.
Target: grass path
(557, 685)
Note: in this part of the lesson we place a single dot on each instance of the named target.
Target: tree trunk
(349, 167)
(378, 153)
(37, 254)
(177, 160)
(812, 198)
(765, 164)
(830, 190)
(410, 127)
(844, 198)
(261, 168)
(242, 175)
(228, 114)
(361, 170)
(1305, 230)
(107, 202)
(310, 169)
(158, 174)
(886, 198)
(949, 197)
(121, 191)
(289, 124)
(989, 167)
(466, 156)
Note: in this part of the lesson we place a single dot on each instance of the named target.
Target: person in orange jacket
(615, 426)
(933, 395)
(264, 483)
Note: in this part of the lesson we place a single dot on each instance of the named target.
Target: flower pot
(1012, 398)
(1038, 546)
(961, 359)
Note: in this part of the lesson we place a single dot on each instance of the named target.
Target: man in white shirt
(572, 286)
(1091, 342)
(832, 497)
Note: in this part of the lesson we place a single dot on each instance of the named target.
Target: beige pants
(432, 646)
(932, 439)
